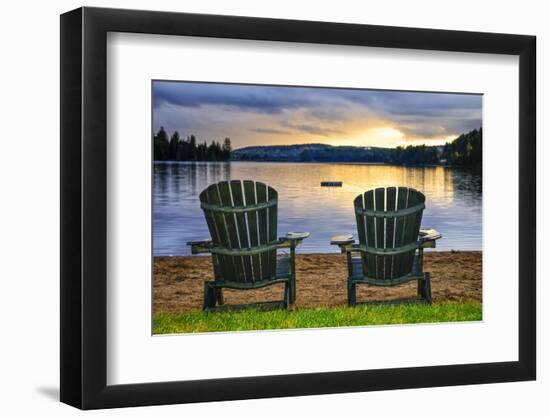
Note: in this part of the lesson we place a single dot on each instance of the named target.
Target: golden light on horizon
(387, 137)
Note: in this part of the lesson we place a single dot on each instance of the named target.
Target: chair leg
(219, 296)
(292, 290)
(420, 286)
(287, 294)
(428, 288)
(425, 288)
(351, 293)
(209, 297)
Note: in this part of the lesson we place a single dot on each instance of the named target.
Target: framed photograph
(257, 207)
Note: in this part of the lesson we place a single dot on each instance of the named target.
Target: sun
(389, 135)
(384, 136)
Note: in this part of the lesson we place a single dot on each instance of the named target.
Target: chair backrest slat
(252, 221)
(261, 195)
(390, 231)
(231, 227)
(242, 230)
(272, 230)
(218, 230)
(384, 225)
(369, 260)
(398, 265)
(379, 205)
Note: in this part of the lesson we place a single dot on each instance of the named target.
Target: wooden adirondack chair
(242, 220)
(390, 246)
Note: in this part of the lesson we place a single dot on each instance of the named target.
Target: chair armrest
(292, 239)
(344, 242)
(200, 246)
(427, 237)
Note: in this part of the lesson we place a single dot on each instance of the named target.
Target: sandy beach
(320, 281)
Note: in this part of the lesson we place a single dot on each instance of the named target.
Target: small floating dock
(331, 183)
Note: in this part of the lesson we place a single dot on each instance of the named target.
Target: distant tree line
(345, 154)
(178, 149)
(410, 155)
(465, 151)
(415, 155)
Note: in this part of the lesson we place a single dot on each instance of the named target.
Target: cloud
(336, 112)
(260, 99)
(269, 131)
(322, 103)
(424, 131)
(291, 114)
(410, 103)
(313, 129)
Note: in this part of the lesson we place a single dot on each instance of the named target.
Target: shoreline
(314, 162)
(178, 282)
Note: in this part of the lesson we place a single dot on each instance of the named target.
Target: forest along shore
(178, 282)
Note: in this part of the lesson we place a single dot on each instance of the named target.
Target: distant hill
(312, 152)
(463, 151)
(326, 153)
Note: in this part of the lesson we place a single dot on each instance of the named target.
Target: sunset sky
(253, 115)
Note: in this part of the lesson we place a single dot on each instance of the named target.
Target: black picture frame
(84, 207)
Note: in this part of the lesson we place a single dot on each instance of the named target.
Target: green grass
(362, 315)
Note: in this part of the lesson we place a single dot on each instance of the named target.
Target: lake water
(453, 200)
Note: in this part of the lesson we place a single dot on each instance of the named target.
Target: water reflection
(453, 200)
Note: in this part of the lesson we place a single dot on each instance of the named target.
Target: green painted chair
(391, 244)
(242, 220)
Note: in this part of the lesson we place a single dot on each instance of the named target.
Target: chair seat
(358, 276)
(282, 274)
